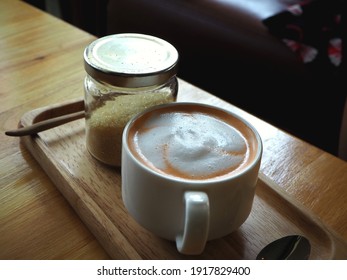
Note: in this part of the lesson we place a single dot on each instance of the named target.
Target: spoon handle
(46, 124)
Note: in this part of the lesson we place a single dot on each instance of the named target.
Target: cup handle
(196, 223)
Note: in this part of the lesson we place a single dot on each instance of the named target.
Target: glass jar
(126, 73)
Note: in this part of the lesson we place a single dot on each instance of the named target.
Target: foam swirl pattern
(190, 145)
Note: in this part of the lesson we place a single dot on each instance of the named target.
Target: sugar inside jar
(126, 73)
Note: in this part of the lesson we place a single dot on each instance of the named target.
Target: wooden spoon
(46, 124)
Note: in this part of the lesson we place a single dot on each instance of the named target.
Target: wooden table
(41, 63)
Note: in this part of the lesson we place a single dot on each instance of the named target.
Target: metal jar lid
(131, 60)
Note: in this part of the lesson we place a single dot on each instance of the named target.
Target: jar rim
(131, 60)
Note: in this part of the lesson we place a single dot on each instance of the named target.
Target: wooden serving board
(94, 191)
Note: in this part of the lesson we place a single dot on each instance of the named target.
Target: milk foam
(190, 145)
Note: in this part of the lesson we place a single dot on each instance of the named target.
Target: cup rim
(257, 157)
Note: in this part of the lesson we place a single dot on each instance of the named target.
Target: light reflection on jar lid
(131, 60)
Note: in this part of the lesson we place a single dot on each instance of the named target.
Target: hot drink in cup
(189, 172)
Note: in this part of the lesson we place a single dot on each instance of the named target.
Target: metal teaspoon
(291, 247)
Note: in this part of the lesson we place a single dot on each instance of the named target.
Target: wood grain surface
(94, 191)
(41, 63)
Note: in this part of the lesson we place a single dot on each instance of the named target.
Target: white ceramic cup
(189, 211)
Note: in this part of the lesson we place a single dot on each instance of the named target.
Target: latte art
(189, 144)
